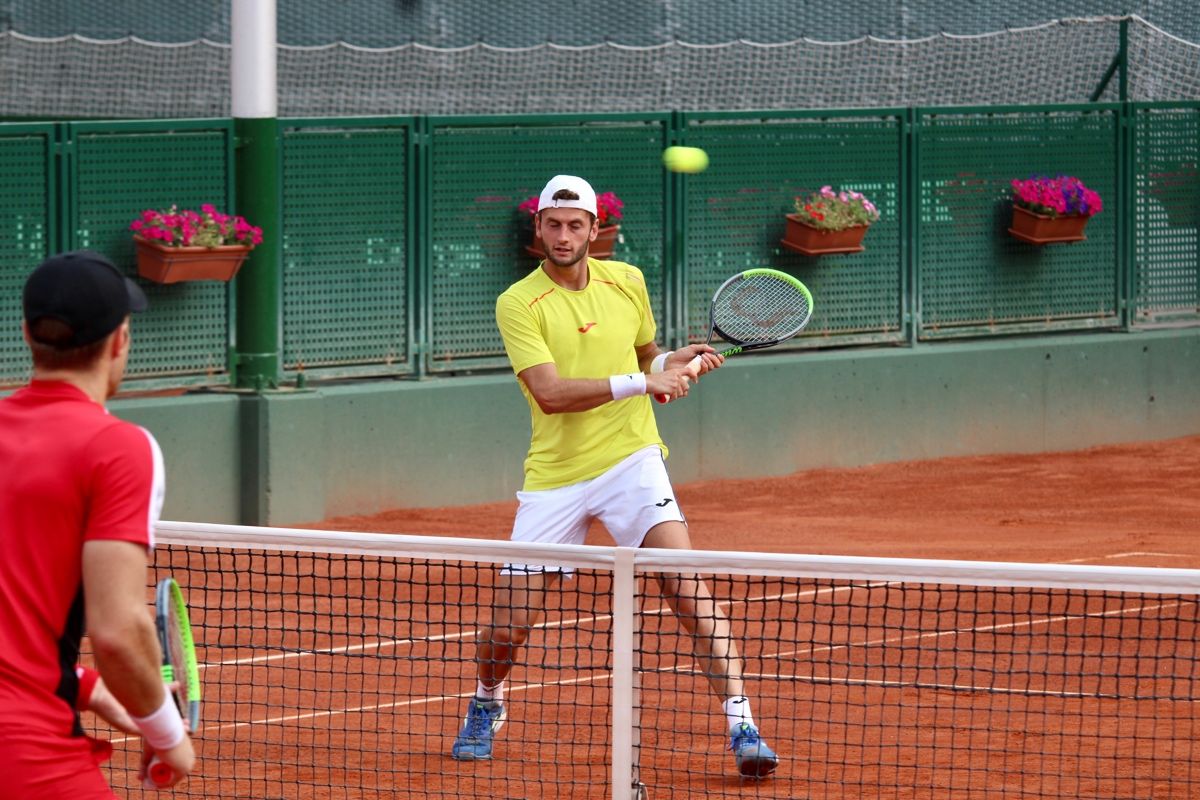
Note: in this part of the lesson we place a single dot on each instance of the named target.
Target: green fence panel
(481, 169)
(735, 215)
(347, 246)
(976, 279)
(116, 171)
(28, 230)
(1166, 268)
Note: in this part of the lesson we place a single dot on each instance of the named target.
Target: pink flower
(207, 228)
(1063, 194)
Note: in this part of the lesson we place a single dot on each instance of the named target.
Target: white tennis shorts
(630, 499)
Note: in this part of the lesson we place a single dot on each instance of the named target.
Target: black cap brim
(137, 298)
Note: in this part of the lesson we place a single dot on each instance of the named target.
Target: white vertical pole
(252, 76)
(623, 682)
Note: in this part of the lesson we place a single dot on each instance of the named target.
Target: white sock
(737, 711)
(494, 693)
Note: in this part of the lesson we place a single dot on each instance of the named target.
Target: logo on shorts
(587, 327)
(664, 502)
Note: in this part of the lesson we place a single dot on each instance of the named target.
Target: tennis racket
(179, 666)
(755, 309)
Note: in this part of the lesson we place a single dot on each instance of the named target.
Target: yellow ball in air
(685, 159)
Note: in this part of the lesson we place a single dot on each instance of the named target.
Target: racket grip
(692, 369)
(158, 774)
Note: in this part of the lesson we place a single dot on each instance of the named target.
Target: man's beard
(576, 256)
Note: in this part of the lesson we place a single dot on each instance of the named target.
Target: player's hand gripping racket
(179, 668)
(755, 309)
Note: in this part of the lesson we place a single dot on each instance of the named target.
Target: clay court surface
(1129, 504)
(382, 650)
(1122, 505)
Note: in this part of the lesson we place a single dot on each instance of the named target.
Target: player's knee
(509, 636)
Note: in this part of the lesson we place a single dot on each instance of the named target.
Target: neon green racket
(179, 666)
(755, 309)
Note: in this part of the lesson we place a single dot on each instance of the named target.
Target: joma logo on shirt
(587, 327)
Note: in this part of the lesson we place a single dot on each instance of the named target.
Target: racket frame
(168, 601)
(740, 346)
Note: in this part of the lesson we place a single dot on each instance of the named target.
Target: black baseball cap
(84, 291)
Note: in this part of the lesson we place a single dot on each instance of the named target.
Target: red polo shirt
(69, 473)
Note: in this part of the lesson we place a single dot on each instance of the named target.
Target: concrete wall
(288, 457)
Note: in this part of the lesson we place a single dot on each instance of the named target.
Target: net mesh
(522, 23)
(339, 665)
(75, 76)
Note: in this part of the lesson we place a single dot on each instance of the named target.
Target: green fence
(28, 226)
(1165, 213)
(398, 233)
(734, 215)
(348, 293)
(974, 279)
(480, 170)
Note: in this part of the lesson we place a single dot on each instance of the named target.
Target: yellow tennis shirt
(590, 333)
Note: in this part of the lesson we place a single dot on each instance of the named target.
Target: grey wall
(289, 457)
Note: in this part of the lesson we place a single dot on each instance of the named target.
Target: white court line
(961, 687)
(382, 706)
(940, 634)
(682, 669)
(1131, 554)
(384, 644)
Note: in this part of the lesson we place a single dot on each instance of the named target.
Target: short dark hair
(48, 336)
(567, 194)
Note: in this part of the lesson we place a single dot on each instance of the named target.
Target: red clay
(901, 733)
(1129, 505)
(1134, 504)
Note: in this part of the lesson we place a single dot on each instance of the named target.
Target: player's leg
(692, 602)
(516, 609)
(712, 640)
(637, 504)
(518, 606)
(556, 515)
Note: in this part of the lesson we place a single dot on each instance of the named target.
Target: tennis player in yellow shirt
(580, 334)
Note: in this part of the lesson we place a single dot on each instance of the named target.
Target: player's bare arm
(123, 637)
(710, 359)
(555, 394)
(103, 704)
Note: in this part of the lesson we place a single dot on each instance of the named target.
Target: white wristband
(164, 728)
(660, 361)
(630, 385)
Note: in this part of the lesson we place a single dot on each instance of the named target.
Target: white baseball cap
(587, 195)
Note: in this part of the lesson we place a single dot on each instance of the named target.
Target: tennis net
(339, 665)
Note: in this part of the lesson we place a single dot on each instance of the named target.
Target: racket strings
(759, 309)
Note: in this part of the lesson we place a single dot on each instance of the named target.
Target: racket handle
(158, 774)
(692, 369)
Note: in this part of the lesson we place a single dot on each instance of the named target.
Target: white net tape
(1061, 61)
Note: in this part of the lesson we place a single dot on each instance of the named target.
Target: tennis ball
(685, 159)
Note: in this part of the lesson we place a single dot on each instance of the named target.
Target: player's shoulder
(524, 292)
(618, 272)
(530, 285)
(118, 435)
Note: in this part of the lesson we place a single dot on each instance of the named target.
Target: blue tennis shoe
(474, 741)
(754, 759)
